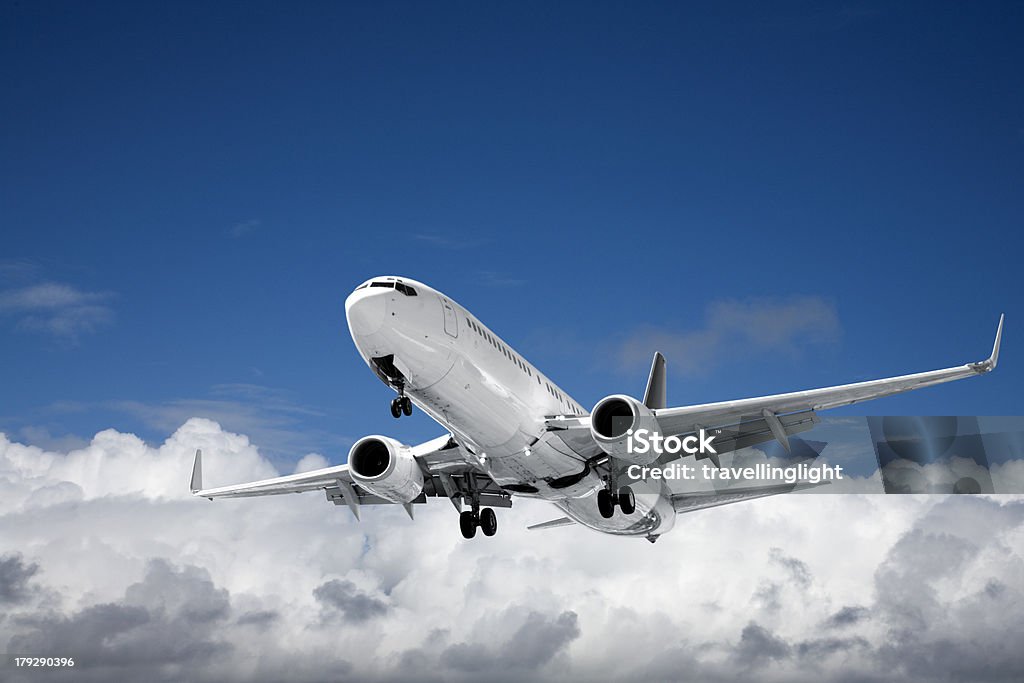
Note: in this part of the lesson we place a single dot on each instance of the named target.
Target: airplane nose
(365, 310)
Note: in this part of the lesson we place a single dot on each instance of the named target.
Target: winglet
(197, 472)
(994, 358)
(989, 364)
(654, 396)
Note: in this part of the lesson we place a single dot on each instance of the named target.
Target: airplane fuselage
(493, 401)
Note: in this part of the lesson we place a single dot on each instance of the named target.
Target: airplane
(510, 431)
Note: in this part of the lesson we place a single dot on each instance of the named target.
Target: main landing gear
(401, 405)
(607, 501)
(485, 519)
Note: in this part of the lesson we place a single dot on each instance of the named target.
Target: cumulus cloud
(758, 645)
(735, 329)
(169, 620)
(847, 616)
(60, 310)
(342, 598)
(14, 576)
(104, 555)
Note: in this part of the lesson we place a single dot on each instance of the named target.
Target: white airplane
(511, 431)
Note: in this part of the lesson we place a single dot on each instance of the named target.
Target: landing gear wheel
(468, 524)
(488, 522)
(396, 408)
(626, 500)
(605, 504)
(406, 405)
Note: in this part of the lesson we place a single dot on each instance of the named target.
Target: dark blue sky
(803, 194)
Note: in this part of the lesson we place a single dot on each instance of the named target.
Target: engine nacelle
(612, 421)
(385, 468)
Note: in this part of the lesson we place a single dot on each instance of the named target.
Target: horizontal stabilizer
(551, 524)
(702, 500)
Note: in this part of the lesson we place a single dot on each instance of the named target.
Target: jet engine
(385, 468)
(612, 422)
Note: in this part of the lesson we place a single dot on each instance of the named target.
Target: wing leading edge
(686, 418)
(292, 483)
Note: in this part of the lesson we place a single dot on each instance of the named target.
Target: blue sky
(787, 195)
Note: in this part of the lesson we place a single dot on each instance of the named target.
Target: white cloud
(735, 329)
(103, 549)
(57, 309)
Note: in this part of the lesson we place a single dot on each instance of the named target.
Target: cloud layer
(105, 556)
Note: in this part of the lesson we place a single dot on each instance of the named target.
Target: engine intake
(385, 468)
(612, 421)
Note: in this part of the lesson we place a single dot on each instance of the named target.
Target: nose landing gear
(401, 405)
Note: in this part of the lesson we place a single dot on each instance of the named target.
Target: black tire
(396, 409)
(406, 406)
(627, 501)
(467, 524)
(488, 522)
(605, 505)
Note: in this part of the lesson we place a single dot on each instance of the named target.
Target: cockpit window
(405, 289)
(389, 285)
(365, 284)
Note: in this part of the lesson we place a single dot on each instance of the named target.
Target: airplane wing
(772, 409)
(750, 421)
(444, 473)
